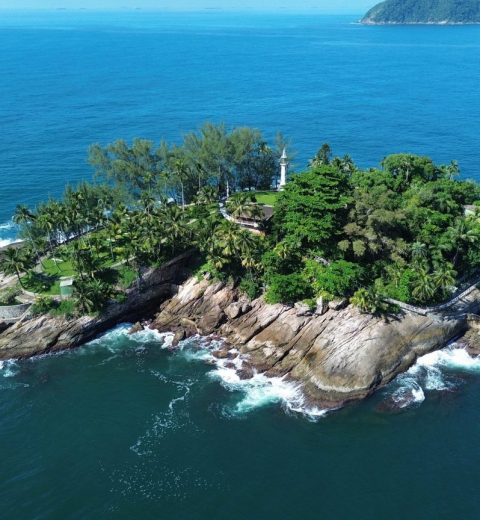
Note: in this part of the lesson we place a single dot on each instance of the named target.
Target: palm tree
(207, 195)
(181, 171)
(462, 234)
(14, 261)
(147, 202)
(444, 277)
(425, 286)
(86, 295)
(419, 251)
(226, 237)
(24, 217)
(241, 205)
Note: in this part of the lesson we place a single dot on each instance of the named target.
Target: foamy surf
(117, 337)
(258, 391)
(9, 368)
(434, 372)
(8, 234)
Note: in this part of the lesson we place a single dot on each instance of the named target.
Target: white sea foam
(8, 234)
(115, 338)
(258, 391)
(409, 394)
(9, 368)
(7, 225)
(8, 241)
(432, 373)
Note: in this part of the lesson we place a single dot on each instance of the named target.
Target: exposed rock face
(338, 356)
(46, 334)
(337, 353)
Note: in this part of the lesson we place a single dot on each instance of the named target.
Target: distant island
(439, 12)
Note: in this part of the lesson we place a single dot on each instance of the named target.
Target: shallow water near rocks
(124, 426)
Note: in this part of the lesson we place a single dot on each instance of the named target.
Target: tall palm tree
(181, 171)
(444, 277)
(14, 261)
(24, 217)
(463, 233)
(47, 221)
(425, 288)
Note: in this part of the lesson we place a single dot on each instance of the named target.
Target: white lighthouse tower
(283, 169)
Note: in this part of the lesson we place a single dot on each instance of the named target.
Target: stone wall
(13, 312)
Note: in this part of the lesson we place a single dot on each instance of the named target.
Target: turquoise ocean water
(123, 428)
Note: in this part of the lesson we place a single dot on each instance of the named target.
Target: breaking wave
(432, 373)
(257, 392)
(120, 337)
(8, 234)
(9, 368)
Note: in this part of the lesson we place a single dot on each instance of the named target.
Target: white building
(283, 169)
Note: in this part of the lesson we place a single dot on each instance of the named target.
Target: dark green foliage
(287, 288)
(251, 286)
(313, 208)
(424, 11)
(340, 278)
(213, 157)
(406, 231)
(401, 286)
(9, 296)
(64, 308)
(369, 301)
(42, 305)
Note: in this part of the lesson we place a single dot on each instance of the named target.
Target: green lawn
(266, 197)
(61, 269)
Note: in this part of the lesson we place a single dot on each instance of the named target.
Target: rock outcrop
(338, 355)
(47, 334)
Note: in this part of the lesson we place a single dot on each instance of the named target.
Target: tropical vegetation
(407, 231)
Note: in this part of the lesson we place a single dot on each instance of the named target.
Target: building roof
(267, 214)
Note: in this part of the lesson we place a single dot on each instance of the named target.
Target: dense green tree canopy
(424, 11)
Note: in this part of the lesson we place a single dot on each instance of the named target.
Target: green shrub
(121, 297)
(127, 277)
(311, 302)
(340, 278)
(43, 305)
(287, 288)
(64, 308)
(274, 263)
(401, 288)
(251, 286)
(9, 296)
(369, 301)
(209, 268)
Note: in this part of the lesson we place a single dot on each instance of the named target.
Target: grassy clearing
(266, 197)
(63, 268)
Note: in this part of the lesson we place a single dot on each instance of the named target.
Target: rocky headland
(336, 353)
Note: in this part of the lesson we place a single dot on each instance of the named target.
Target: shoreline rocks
(338, 356)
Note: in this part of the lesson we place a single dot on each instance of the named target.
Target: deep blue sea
(124, 428)
(70, 79)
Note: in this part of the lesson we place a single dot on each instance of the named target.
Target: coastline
(443, 24)
(336, 357)
(331, 358)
